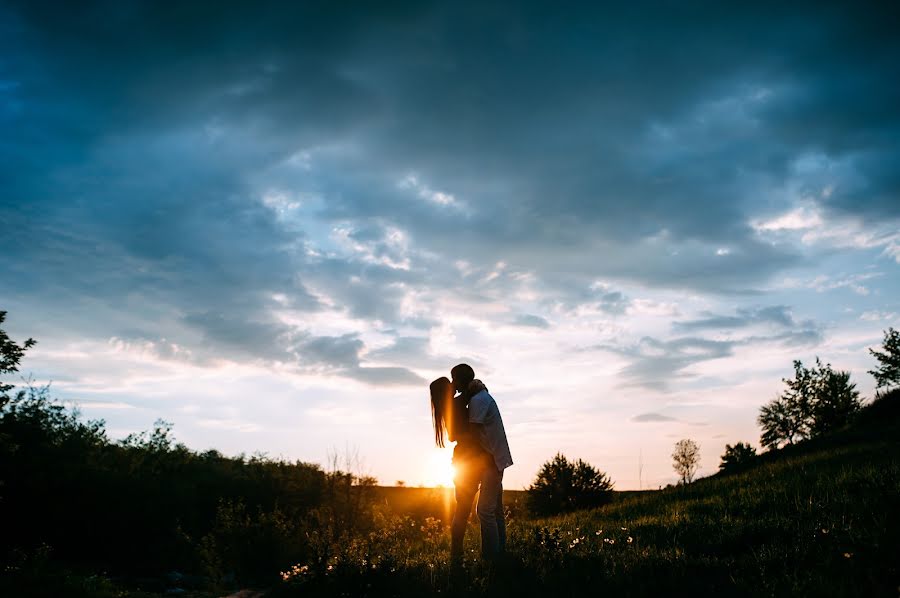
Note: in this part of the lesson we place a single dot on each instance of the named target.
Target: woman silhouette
(451, 420)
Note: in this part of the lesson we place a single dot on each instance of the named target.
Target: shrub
(562, 485)
(736, 456)
(146, 487)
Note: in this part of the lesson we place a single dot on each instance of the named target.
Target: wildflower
(598, 532)
(630, 539)
(624, 529)
(824, 531)
(847, 555)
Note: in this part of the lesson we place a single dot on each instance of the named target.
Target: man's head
(462, 375)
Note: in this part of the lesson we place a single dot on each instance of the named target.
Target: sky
(273, 225)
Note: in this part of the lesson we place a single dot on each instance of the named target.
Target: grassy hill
(820, 518)
(149, 516)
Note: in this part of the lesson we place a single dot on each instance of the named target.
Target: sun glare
(439, 469)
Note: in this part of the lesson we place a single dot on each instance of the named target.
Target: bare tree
(686, 459)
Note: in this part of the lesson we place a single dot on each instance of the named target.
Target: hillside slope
(817, 519)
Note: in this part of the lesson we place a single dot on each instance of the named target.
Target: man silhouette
(486, 423)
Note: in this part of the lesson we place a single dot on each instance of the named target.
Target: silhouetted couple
(464, 412)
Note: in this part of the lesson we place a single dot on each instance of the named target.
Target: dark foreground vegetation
(96, 518)
(87, 516)
(815, 519)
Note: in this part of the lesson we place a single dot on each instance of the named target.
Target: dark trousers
(469, 479)
(490, 513)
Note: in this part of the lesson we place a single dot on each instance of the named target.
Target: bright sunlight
(439, 469)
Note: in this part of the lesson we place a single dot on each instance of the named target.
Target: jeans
(490, 513)
(472, 475)
(467, 479)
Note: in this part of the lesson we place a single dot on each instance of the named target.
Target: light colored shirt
(483, 410)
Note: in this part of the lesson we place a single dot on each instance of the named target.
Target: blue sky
(273, 226)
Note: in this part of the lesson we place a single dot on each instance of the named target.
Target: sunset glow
(629, 231)
(440, 470)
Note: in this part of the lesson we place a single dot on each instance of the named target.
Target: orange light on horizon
(439, 470)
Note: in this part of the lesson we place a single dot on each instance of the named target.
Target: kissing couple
(464, 412)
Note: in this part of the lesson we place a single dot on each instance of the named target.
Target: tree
(836, 401)
(737, 455)
(10, 355)
(686, 459)
(780, 423)
(562, 485)
(817, 400)
(887, 374)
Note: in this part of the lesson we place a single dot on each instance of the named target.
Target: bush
(145, 487)
(562, 485)
(736, 456)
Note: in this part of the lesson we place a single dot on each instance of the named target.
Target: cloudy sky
(273, 226)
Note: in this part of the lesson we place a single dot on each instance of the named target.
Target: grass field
(817, 519)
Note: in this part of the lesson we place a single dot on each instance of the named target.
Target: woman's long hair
(441, 399)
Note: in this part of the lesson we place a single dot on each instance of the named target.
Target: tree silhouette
(836, 401)
(10, 355)
(737, 455)
(887, 374)
(686, 459)
(562, 485)
(817, 400)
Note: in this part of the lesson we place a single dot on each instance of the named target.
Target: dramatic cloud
(360, 198)
(658, 364)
